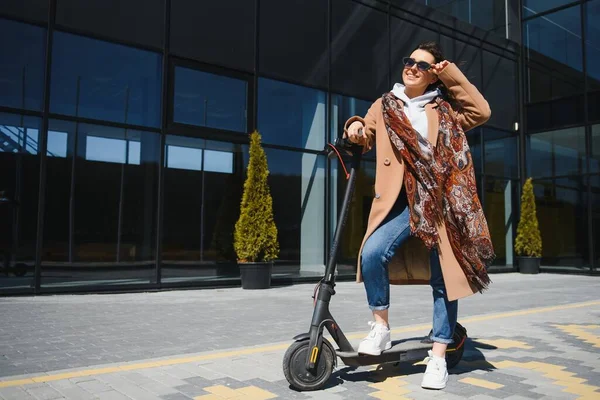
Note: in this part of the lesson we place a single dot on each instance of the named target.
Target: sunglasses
(421, 65)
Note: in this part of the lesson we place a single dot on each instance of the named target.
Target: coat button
(377, 195)
(386, 161)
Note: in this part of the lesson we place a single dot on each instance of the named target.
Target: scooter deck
(402, 350)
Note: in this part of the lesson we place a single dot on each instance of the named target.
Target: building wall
(124, 129)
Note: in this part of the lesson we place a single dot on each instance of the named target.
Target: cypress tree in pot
(255, 236)
(528, 245)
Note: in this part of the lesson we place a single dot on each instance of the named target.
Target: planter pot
(256, 275)
(529, 265)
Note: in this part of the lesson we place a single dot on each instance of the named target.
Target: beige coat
(410, 265)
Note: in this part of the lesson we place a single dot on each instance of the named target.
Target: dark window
(500, 89)
(22, 66)
(501, 153)
(291, 115)
(100, 80)
(489, 15)
(501, 202)
(556, 36)
(297, 184)
(595, 151)
(100, 205)
(206, 99)
(555, 153)
(134, 21)
(36, 10)
(294, 48)
(595, 200)
(592, 35)
(561, 209)
(216, 32)
(19, 181)
(360, 50)
(555, 113)
(532, 7)
(202, 194)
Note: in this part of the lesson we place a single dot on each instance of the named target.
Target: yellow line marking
(581, 333)
(505, 344)
(569, 380)
(264, 349)
(247, 393)
(481, 383)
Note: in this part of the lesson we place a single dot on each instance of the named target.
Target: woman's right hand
(356, 133)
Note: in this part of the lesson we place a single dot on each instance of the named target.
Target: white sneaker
(436, 374)
(376, 341)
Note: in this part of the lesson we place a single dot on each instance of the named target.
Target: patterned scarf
(441, 188)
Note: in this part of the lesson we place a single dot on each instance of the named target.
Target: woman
(426, 223)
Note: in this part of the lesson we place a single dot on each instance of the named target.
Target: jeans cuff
(379, 308)
(442, 340)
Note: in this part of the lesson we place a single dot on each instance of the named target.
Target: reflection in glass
(22, 66)
(595, 200)
(202, 194)
(501, 202)
(556, 153)
(210, 100)
(101, 80)
(291, 115)
(561, 208)
(19, 181)
(557, 36)
(595, 151)
(532, 7)
(592, 36)
(99, 223)
(501, 153)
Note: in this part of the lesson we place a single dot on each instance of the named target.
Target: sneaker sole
(434, 387)
(387, 347)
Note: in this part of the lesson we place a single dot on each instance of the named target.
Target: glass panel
(557, 153)
(501, 153)
(342, 109)
(216, 32)
(557, 36)
(100, 80)
(592, 33)
(210, 100)
(100, 220)
(22, 67)
(147, 16)
(501, 202)
(561, 207)
(30, 9)
(19, 182)
(532, 7)
(359, 44)
(291, 115)
(595, 199)
(202, 194)
(283, 40)
(297, 183)
(500, 84)
(595, 151)
(489, 15)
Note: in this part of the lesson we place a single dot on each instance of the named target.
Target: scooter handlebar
(344, 144)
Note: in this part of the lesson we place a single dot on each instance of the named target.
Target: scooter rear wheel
(294, 366)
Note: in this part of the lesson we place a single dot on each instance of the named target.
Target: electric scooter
(309, 362)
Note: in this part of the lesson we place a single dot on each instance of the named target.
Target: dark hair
(435, 50)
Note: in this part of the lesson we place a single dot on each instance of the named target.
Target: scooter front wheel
(294, 366)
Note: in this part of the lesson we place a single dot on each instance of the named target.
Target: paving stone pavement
(530, 337)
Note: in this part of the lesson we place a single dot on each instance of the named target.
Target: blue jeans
(376, 255)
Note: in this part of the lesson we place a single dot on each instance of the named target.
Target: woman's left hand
(439, 67)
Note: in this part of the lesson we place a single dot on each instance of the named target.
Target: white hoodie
(415, 108)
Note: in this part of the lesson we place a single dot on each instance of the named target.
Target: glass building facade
(124, 129)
